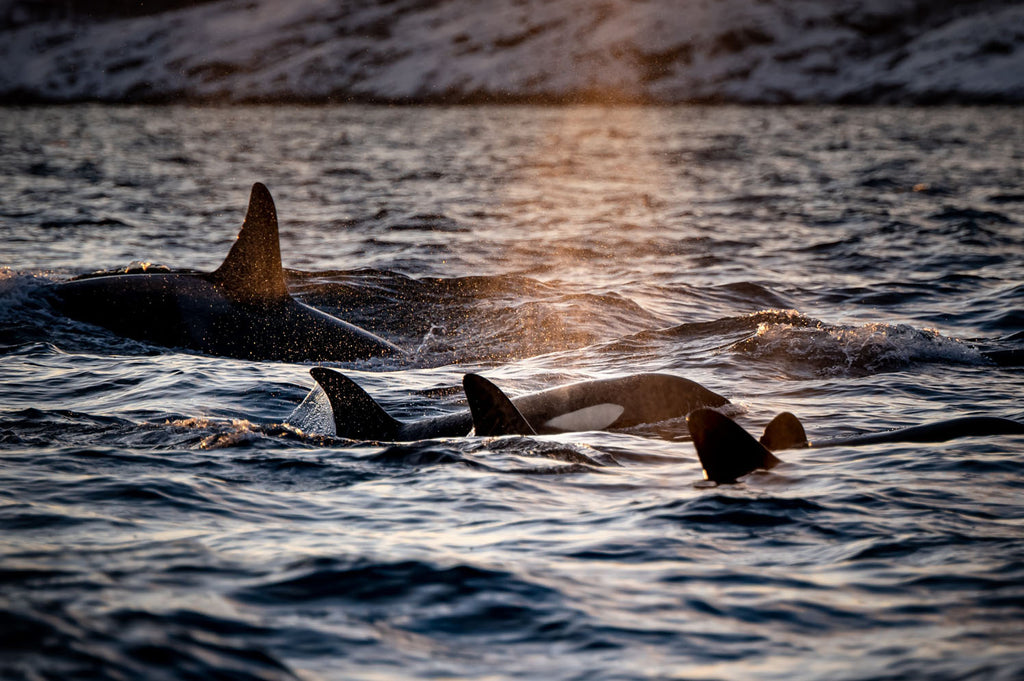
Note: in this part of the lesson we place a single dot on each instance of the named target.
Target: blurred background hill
(464, 51)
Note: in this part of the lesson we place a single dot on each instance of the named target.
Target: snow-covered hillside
(516, 50)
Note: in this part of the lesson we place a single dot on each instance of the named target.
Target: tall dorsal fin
(726, 451)
(357, 416)
(493, 412)
(252, 271)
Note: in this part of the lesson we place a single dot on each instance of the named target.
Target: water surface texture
(168, 515)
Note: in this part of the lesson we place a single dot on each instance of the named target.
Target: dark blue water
(167, 515)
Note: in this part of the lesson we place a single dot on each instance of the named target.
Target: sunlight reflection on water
(781, 257)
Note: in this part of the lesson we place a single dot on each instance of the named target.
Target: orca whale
(728, 452)
(242, 309)
(589, 405)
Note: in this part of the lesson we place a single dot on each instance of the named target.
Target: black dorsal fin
(493, 412)
(726, 451)
(357, 416)
(784, 432)
(252, 271)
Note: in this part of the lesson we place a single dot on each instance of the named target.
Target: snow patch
(523, 50)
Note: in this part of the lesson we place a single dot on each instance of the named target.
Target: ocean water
(168, 515)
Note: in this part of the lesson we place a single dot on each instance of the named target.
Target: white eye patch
(598, 417)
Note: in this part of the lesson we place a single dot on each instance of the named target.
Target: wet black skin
(644, 398)
(242, 309)
(728, 452)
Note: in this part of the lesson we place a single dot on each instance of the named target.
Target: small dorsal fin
(252, 271)
(493, 412)
(726, 451)
(356, 415)
(784, 432)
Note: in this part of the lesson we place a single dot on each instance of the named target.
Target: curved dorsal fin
(252, 271)
(784, 432)
(357, 416)
(493, 412)
(726, 451)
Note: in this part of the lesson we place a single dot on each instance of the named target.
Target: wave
(508, 317)
(57, 641)
(807, 346)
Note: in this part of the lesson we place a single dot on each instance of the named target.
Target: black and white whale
(728, 452)
(605, 404)
(242, 309)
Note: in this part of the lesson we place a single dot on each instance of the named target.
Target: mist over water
(165, 514)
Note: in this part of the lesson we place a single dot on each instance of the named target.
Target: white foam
(314, 414)
(841, 349)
